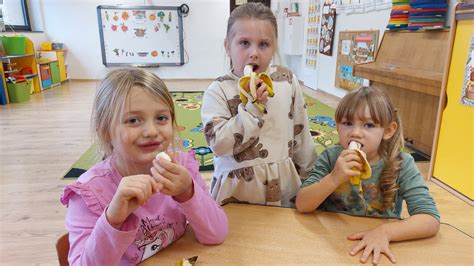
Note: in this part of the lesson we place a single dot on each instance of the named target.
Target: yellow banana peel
(187, 262)
(251, 94)
(366, 171)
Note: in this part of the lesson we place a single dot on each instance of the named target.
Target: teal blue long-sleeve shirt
(347, 199)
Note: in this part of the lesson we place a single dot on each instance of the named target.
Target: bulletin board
(355, 47)
(145, 36)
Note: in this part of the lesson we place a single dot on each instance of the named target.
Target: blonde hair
(383, 113)
(252, 10)
(111, 97)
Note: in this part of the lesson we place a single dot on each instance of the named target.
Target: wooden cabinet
(58, 56)
(410, 66)
(452, 164)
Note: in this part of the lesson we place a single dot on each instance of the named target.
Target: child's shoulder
(333, 151)
(407, 159)
(225, 78)
(97, 172)
(95, 186)
(281, 73)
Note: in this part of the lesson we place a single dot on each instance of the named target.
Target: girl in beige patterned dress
(260, 154)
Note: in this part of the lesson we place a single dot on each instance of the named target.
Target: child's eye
(346, 123)
(163, 119)
(133, 120)
(264, 44)
(370, 125)
(244, 43)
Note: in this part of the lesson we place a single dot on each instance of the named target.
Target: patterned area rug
(191, 136)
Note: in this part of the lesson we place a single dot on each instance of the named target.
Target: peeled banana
(251, 95)
(366, 171)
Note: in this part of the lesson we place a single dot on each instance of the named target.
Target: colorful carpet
(191, 136)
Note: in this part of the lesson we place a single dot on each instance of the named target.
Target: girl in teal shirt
(368, 117)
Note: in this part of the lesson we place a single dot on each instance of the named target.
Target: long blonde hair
(112, 94)
(383, 113)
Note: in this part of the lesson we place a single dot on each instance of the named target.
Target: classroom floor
(42, 138)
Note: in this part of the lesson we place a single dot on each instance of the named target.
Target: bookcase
(20, 67)
(52, 67)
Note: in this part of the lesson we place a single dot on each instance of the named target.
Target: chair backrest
(62, 248)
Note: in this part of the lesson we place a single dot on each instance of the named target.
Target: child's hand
(175, 179)
(375, 242)
(345, 165)
(262, 93)
(132, 192)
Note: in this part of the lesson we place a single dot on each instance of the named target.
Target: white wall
(74, 22)
(376, 20)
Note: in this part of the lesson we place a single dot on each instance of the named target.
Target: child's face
(252, 42)
(364, 130)
(144, 129)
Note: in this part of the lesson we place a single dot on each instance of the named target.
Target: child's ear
(226, 46)
(390, 130)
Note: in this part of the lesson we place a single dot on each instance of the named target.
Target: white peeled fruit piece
(163, 155)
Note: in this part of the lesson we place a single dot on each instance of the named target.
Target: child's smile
(145, 129)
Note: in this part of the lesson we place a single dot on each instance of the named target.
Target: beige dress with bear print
(258, 158)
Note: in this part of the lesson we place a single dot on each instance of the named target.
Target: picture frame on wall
(328, 24)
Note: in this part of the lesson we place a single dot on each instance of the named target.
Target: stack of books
(427, 14)
(399, 15)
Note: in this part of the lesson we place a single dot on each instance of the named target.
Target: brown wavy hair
(383, 112)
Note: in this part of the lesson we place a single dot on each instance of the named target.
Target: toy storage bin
(57, 45)
(46, 46)
(19, 91)
(14, 45)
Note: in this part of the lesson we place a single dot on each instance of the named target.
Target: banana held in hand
(366, 171)
(164, 156)
(251, 95)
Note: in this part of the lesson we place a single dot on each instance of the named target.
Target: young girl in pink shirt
(131, 205)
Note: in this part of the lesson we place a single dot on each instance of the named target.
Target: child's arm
(223, 118)
(423, 220)
(305, 154)
(377, 240)
(183, 181)
(313, 192)
(93, 241)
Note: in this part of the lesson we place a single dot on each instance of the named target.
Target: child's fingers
(376, 256)
(166, 183)
(356, 236)
(389, 255)
(358, 247)
(366, 254)
(163, 166)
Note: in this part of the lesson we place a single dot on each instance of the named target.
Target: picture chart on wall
(147, 36)
(355, 47)
(312, 34)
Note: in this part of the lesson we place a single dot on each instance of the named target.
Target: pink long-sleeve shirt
(149, 229)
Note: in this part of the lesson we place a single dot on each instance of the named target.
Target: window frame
(26, 19)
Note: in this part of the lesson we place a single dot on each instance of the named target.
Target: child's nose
(356, 132)
(253, 53)
(151, 130)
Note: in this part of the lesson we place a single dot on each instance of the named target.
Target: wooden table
(273, 235)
